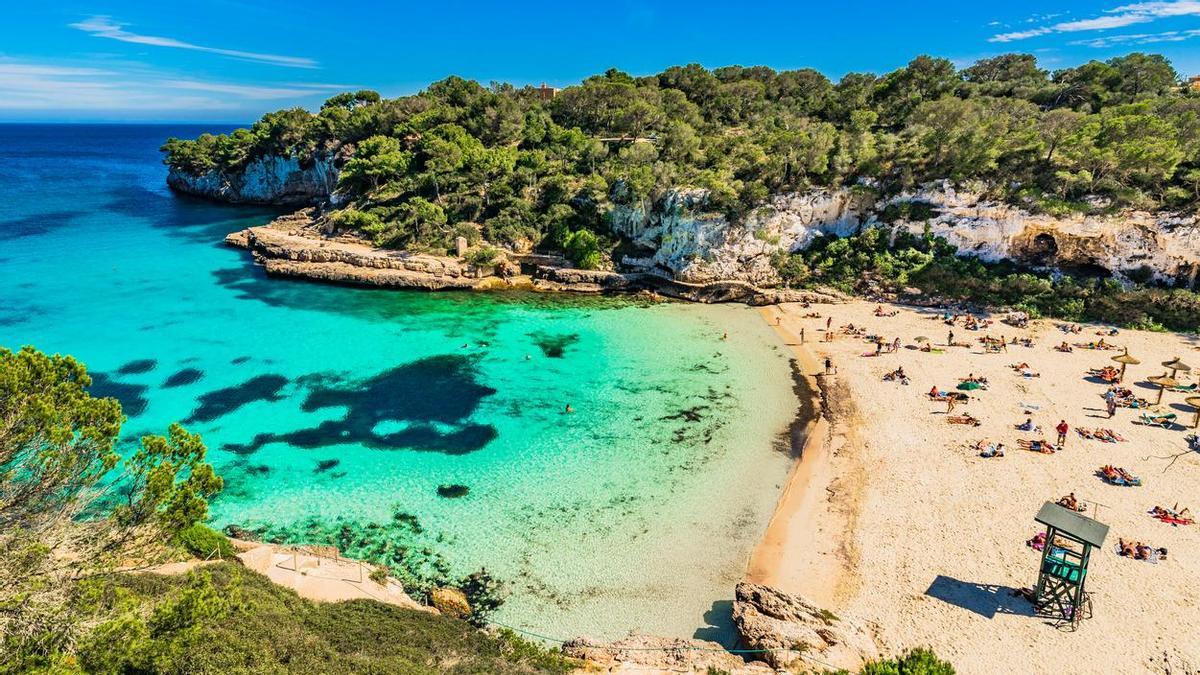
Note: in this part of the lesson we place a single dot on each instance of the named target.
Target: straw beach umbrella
(1125, 360)
(1194, 401)
(1163, 381)
(1176, 365)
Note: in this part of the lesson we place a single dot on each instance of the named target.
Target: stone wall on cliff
(680, 237)
(266, 180)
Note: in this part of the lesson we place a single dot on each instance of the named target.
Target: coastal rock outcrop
(681, 236)
(284, 181)
(791, 629)
(293, 246)
(642, 653)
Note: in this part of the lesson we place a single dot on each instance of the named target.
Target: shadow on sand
(986, 600)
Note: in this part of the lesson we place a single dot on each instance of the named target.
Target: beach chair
(1164, 420)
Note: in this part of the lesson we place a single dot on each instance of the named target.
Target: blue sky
(232, 60)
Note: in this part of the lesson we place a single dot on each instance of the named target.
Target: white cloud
(1118, 17)
(105, 27)
(26, 85)
(1019, 35)
(1139, 38)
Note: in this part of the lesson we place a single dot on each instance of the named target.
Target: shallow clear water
(337, 413)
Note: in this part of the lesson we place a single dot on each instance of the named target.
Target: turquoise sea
(336, 413)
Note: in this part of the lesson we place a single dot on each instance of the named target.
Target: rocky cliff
(680, 237)
(267, 180)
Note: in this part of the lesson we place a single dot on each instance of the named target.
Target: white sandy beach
(893, 516)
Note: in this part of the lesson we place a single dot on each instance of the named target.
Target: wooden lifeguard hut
(1070, 538)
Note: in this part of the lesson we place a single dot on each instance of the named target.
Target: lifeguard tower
(1070, 538)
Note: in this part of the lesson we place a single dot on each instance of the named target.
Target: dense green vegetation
(76, 521)
(502, 164)
(919, 661)
(882, 260)
(226, 619)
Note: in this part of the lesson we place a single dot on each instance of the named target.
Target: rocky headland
(295, 246)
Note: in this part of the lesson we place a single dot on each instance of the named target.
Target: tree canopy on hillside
(502, 164)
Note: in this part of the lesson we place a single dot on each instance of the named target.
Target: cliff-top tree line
(503, 164)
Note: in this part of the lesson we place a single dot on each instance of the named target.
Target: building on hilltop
(545, 92)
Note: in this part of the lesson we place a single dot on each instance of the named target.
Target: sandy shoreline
(890, 516)
(806, 548)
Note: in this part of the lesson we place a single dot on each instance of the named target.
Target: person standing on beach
(950, 339)
(828, 322)
(951, 401)
(802, 335)
(828, 366)
(1110, 402)
(1062, 432)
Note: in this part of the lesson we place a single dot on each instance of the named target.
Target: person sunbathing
(1064, 347)
(991, 450)
(935, 394)
(1127, 548)
(1042, 446)
(1024, 365)
(1070, 502)
(1172, 516)
(1028, 425)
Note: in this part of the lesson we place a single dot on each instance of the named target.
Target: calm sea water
(336, 413)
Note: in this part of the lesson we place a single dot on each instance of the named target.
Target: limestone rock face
(1162, 246)
(791, 628)
(694, 245)
(683, 238)
(645, 653)
(266, 180)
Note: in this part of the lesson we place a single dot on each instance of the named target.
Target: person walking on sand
(950, 339)
(1110, 402)
(1003, 344)
(828, 366)
(951, 401)
(802, 335)
(1062, 432)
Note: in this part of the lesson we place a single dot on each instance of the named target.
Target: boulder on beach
(450, 602)
(790, 627)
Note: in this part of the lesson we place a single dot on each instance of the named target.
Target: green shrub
(483, 257)
(205, 542)
(920, 661)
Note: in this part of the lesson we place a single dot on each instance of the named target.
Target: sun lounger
(1164, 420)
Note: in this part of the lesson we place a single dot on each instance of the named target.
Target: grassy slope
(264, 628)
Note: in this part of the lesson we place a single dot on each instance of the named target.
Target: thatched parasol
(1125, 359)
(1163, 381)
(1194, 401)
(1176, 365)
